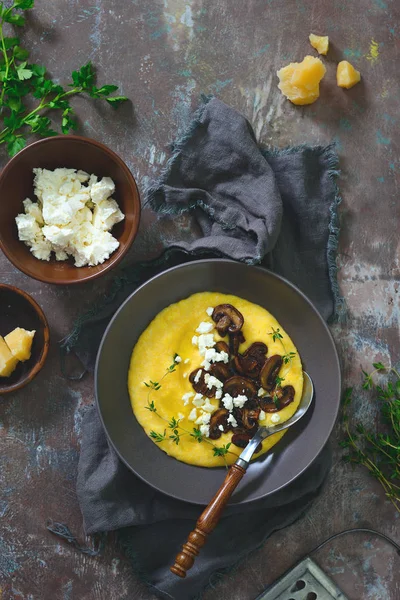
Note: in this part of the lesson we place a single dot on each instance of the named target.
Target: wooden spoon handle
(207, 522)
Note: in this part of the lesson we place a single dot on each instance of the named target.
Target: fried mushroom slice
(241, 439)
(199, 385)
(270, 371)
(220, 371)
(227, 319)
(237, 385)
(219, 418)
(285, 395)
(235, 339)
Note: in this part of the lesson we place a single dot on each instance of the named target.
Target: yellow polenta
(171, 333)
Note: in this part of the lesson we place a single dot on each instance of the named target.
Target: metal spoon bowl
(264, 432)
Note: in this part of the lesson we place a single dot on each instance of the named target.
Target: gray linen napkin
(249, 204)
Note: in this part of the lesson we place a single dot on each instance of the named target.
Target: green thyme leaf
(158, 437)
(278, 381)
(379, 366)
(197, 435)
(276, 334)
(287, 358)
(222, 450)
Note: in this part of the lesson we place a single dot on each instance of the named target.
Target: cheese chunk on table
(319, 42)
(299, 82)
(347, 75)
(19, 341)
(8, 361)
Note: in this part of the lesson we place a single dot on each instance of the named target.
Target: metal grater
(305, 582)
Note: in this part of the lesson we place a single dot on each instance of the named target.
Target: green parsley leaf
(115, 101)
(105, 90)
(379, 366)
(23, 73)
(24, 4)
(20, 53)
(84, 77)
(17, 20)
(9, 42)
(15, 145)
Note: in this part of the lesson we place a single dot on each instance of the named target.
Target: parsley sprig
(176, 431)
(21, 81)
(378, 452)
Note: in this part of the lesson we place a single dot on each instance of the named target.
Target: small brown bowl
(16, 184)
(18, 309)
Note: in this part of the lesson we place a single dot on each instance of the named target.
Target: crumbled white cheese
(193, 414)
(28, 228)
(203, 419)
(206, 340)
(261, 392)
(221, 427)
(181, 416)
(197, 376)
(205, 327)
(102, 190)
(198, 400)
(106, 214)
(62, 220)
(210, 355)
(186, 397)
(218, 394)
(231, 419)
(208, 407)
(186, 361)
(33, 209)
(261, 416)
(209, 311)
(205, 430)
(275, 418)
(240, 401)
(195, 340)
(227, 401)
(185, 375)
(212, 381)
(177, 359)
(223, 357)
(206, 365)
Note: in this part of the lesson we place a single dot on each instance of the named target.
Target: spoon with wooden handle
(212, 513)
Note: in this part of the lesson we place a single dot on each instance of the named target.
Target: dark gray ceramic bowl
(297, 449)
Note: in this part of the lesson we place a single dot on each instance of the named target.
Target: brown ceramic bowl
(18, 309)
(16, 184)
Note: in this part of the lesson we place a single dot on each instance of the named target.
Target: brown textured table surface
(164, 53)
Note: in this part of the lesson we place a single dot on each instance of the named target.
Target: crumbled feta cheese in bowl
(61, 221)
(72, 157)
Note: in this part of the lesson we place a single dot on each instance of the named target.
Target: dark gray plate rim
(222, 471)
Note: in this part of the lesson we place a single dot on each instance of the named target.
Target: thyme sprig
(173, 425)
(287, 357)
(378, 452)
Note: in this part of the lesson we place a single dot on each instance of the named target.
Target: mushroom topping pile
(245, 384)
